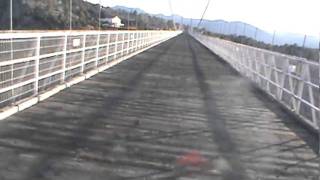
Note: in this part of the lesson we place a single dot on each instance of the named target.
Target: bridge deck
(173, 112)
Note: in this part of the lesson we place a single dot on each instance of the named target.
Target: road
(175, 111)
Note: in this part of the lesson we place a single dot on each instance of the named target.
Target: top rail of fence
(292, 81)
(33, 33)
(295, 58)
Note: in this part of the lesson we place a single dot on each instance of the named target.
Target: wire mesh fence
(300, 45)
(292, 81)
(32, 63)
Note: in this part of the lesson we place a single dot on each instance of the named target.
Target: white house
(114, 21)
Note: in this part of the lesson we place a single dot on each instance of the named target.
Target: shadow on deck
(173, 112)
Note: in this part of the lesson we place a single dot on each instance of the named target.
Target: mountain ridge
(138, 10)
(54, 15)
(237, 27)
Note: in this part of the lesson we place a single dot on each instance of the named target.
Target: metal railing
(292, 81)
(34, 62)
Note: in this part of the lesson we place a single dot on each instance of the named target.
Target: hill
(54, 15)
(290, 49)
(139, 11)
(244, 29)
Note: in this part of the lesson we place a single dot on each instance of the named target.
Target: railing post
(135, 40)
(250, 65)
(293, 99)
(274, 69)
(64, 58)
(318, 120)
(311, 97)
(142, 40)
(139, 41)
(257, 67)
(107, 49)
(145, 39)
(148, 39)
(268, 73)
(97, 51)
(36, 71)
(283, 75)
(83, 52)
(300, 88)
(128, 43)
(122, 45)
(116, 46)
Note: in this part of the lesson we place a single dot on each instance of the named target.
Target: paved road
(175, 111)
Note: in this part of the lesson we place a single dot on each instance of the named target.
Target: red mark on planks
(193, 158)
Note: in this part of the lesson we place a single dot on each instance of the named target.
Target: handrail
(33, 62)
(292, 81)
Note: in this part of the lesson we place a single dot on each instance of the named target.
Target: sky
(294, 16)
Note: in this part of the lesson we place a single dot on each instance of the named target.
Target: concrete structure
(112, 21)
(175, 111)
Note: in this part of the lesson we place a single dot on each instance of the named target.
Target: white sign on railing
(76, 43)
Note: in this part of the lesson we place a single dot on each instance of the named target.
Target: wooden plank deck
(175, 111)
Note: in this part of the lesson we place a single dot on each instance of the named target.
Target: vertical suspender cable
(11, 24)
(170, 6)
(304, 41)
(273, 37)
(128, 20)
(255, 34)
(70, 16)
(204, 12)
(99, 15)
(11, 42)
(318, 121)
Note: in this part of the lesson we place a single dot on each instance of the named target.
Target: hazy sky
(296, 16)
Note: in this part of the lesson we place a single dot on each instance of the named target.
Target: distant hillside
(290, 49)
(54, 14)
(49, 14)
(240, 32)
(241, 29)
(244, 29)
(139, 11)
